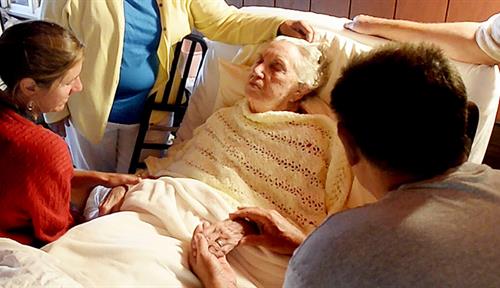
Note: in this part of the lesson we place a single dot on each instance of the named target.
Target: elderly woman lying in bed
(260, 152)
(263, 151)
(266, 151)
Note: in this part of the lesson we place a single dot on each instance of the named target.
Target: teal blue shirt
(139, 62)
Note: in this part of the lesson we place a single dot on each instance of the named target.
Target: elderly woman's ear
(302, 91)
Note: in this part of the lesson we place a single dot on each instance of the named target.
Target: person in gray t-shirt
(436, 223)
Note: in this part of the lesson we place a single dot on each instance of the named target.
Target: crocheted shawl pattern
(293, 163)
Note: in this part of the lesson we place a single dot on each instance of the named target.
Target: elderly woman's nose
(258, 69)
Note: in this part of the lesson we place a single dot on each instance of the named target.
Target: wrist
(216, 282)
(279, 32)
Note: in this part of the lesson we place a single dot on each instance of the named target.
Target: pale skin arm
(83, 182)
(457, 39)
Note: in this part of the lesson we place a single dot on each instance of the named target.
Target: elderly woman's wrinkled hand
(223, 236)
(274, 231)
(212, 270)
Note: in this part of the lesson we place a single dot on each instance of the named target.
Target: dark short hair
(405, 107)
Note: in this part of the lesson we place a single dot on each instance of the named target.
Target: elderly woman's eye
(278, 67)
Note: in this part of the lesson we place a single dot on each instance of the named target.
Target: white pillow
(482, 82)
(483, 87)
(202, 100)
(232, 80)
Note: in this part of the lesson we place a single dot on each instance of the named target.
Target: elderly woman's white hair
(311, 70)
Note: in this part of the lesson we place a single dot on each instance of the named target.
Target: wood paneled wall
(418, 10)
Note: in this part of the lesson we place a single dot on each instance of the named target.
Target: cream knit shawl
(293, 163)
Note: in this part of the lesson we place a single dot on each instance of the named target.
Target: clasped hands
(247, 226)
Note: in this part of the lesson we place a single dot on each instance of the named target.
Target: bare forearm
(456, 39)
(87, 179)
(82, 184)
(84, 181)
(84, 178)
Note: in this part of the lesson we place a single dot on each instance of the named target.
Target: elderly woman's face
(273, 82)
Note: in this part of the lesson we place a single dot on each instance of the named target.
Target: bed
(145, 244)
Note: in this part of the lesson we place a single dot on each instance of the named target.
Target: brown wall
(419, 10)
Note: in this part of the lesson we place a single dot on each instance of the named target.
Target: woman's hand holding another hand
(275, 232)
(212, 270)
(223, 236)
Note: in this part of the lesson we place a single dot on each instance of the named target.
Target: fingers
(113, 201)
(198, 229)
(196, 242)
(223, 236)
(127, 179)
(298, 29)
(194, 251)
(202, 243)
(305, 30)
(199, 250)
(117, 179)
(254, 214)
(194, 239)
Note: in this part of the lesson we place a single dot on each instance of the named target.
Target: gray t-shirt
(444, 232)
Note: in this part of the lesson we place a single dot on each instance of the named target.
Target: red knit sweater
(35, 181)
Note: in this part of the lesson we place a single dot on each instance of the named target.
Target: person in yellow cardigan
(129, 47)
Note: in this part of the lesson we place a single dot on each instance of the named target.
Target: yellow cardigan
(90, 108)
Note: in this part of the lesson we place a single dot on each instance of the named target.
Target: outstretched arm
(457, 39)
(218, 21)
(84, 181)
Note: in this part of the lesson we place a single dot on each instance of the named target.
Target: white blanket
(146, 245)
(25, 266)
